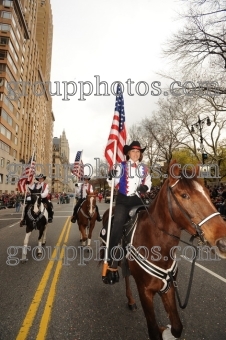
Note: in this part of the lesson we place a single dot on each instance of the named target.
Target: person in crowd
(18, 203)
(44, 193)
(85, 187)
(100, 197)
(132, 182)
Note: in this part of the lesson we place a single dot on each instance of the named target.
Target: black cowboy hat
(133, 145)
(40, 176)
(85, 177)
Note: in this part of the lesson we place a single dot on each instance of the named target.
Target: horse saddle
(128, 226)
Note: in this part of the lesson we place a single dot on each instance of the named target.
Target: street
(66, 299)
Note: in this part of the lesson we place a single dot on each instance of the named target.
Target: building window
(4, 146)
(4, 41)
(2, 162)
(5, 132)
(3, 54)
(6, 117)
(6, 15)
(5, 27)
(15, 140)
(7, 3)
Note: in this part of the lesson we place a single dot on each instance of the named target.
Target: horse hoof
(39, 254)
(132, 307)
(167, 335)
(23, 261)
(43, 244)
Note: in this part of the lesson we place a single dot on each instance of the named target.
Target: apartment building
(26, 117)
(61, 181)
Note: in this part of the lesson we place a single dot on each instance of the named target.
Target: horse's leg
(131, 302)
(24, 251)
(169, 302)
(146, 298)
(90, 229)
(41, 234)
(44, 236)
(82, 229)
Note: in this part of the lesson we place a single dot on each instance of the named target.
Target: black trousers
(121, 216)
(49, 207)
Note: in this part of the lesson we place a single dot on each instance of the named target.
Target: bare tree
(202, 37)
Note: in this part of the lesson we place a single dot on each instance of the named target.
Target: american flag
(78, 169)
(117, 132)
(27, 175)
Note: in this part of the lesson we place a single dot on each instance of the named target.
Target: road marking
(43, 327)
(33, 308)
(207, 270)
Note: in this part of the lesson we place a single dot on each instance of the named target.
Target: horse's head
(36, 199)
(191, 208)
(91, 203)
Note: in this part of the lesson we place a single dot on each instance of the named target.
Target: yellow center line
(33, 308)
(50, 300)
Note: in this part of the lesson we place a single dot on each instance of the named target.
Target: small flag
(27, 175)
(78, 169)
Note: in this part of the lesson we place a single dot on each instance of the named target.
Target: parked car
(2, 205)
(107, 198)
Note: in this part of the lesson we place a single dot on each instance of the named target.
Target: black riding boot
(74, 217)
(50, 214)
(99, 219)
(112, 275)
(23, 221)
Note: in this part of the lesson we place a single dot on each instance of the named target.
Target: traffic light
(204, 155)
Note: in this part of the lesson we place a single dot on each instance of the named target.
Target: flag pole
(105, 264)
(22, 213)
(77, 181)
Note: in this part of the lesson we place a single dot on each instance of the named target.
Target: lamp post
(199, 126)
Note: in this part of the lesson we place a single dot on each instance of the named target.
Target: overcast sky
(116, 40)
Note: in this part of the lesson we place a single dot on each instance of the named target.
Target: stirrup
(22, 223)
(73, 219)
(99, 219)
(111, 277)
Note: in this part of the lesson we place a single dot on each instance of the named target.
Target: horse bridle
(88, 206)
(197, 226)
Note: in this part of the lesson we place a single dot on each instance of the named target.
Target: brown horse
(87, 216)
(183, 203)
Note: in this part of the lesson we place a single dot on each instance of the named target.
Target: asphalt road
(67, 300)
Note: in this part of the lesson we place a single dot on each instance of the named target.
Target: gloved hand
(112, 173)
(142, 189)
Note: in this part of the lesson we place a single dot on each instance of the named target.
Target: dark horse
(36, 218)
(87, 216)
(183, 203)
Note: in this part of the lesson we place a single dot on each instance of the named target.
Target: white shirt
(85, 187)
(134, 178)
(44, 192)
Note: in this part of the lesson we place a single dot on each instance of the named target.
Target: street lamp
(199, 126)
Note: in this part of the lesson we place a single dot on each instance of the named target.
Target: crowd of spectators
(218, 197)
(11, 200)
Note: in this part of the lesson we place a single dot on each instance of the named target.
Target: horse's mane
(188, 179)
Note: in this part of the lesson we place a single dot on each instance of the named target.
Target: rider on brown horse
(133, 181)
(84, 189)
